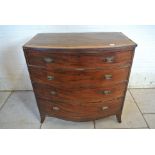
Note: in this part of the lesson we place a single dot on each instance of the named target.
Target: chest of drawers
(79, 76)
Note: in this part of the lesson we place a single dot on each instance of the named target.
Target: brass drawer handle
(105, 108)
(106, 92)
(48, 60)
(55, 108)
(108, 76)
(50, 77)
(52, 92)
(109, 59)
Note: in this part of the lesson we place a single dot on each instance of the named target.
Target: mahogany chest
(79, 76)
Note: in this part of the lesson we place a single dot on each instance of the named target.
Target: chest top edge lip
(86, 49)
(104, 40)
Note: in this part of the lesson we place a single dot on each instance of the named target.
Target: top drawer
(49, 59)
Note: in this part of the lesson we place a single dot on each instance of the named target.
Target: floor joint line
(6, 100)
(139, 109)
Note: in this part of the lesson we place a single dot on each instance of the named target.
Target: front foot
(42, 117)
(118, 116)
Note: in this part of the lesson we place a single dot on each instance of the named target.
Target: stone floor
(18, 110)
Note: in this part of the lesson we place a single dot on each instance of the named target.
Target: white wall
(13, 70)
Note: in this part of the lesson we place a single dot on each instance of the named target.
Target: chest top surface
(105, 40)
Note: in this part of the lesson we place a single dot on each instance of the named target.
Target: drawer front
(81, 95)
(77, 60)
(77, 78)
(80, 112)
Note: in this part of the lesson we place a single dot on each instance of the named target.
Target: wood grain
(80, 77)
(80, 60)
(80, 95)
(80, 40)
(76, 112)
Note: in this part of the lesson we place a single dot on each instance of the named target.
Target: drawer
(48, 59)
(79, 78)
(80, 112)
(81, 95)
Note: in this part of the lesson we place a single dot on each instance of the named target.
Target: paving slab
(20, 109)
(150, 118)
(3, 97)
(145, 99)
(55, 123)
(17, 125)
(131, 117)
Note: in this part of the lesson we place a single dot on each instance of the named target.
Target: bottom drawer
(80, 112)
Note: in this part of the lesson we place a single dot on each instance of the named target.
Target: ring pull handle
(105, 108)
(108, 76)
(55, 108)
(50, 77)
(105, 92)
(53, 92)
(109, 59)
(48, 59)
